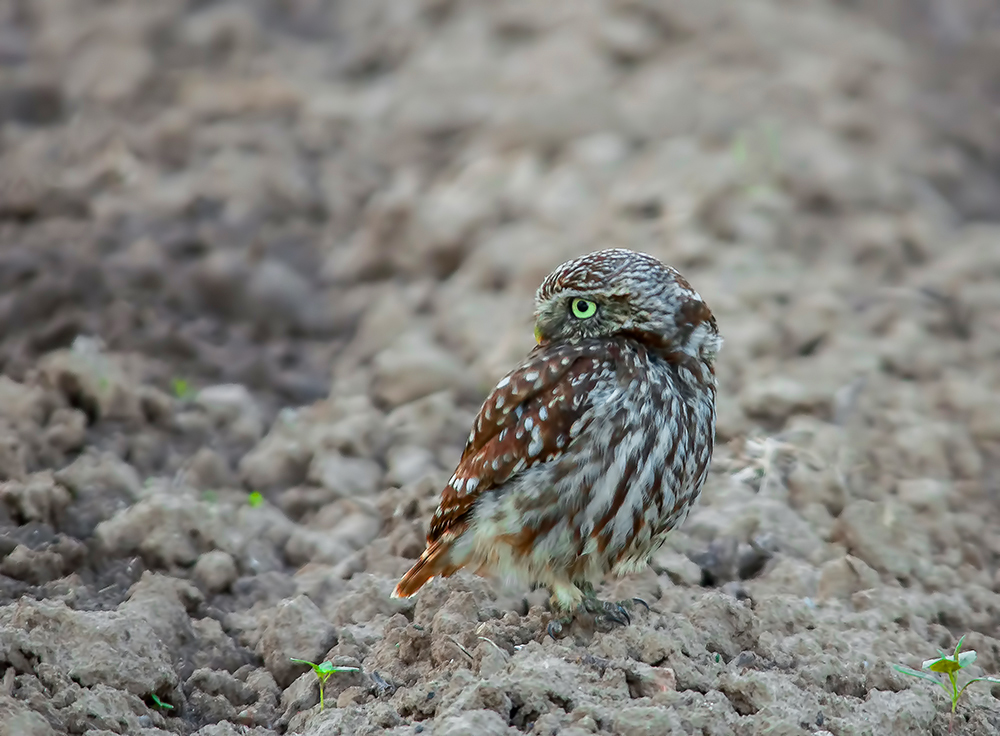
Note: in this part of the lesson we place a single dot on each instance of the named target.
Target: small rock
(412, 367)
(880, 535)
(233, 407)
(14, 454)
(408, 464)
(101, 486)
(19, 720)
(167, 530)
(729, 625)
(219, 682)
(261, 682)
(295, 628)
(679, 568)
(346, 476)
(647, 721)
(38, 498)
(301, 695)
(220, 281)
(215, 571)
(101, 707)
(351, 696)
(776, 398)
(109, 71)
(807, 485)
(66, 430)
(279, 298)
(349, 522)
(310, 545)
(647, 681)
(93, 380)
(845, 576)
(212, 707)
(430, 422)
(628, 39)
(925, 494)
(208, 470)
(479, 722)
(20, 403)
(32, 566)
(277, 463)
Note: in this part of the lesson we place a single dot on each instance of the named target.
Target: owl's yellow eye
(583, 309)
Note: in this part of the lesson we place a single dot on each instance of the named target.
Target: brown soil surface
(260, 261)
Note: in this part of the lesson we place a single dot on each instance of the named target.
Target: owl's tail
(433, 562)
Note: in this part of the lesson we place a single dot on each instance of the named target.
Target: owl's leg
(565, 600)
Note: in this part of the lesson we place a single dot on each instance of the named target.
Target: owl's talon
(623, 616)
(555, 627)
(611, 613)
(641, 602)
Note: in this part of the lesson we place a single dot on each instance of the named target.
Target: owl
(586, 455)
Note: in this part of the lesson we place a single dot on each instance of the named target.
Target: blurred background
(212, 213)
(258, 191)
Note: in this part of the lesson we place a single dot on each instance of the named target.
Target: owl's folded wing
(530, 417)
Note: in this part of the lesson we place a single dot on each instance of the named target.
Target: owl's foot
(606, 614)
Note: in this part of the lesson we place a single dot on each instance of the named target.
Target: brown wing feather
(433, 562)
(528, 418)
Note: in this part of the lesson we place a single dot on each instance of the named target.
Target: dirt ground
(260, 261)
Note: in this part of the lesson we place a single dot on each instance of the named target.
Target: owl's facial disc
(573, 314)
(620, 293)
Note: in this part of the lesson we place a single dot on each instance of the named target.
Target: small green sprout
(160, 703)
(324, 671)
(948, 665)
(255, 499)
(181, 388)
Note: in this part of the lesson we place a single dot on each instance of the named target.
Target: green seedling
(324, 671)
(181, 388)
(160, 703)
(948, 665)
(255, 499)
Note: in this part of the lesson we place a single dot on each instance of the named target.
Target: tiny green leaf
(945, 664)
(916, 673)
(966, 658)
(323, 670)
(985, 679)
(181, 388)
(256, 500)
(160, 703)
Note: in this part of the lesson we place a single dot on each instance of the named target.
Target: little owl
(587, 454)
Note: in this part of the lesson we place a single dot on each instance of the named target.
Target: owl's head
(622, 293)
